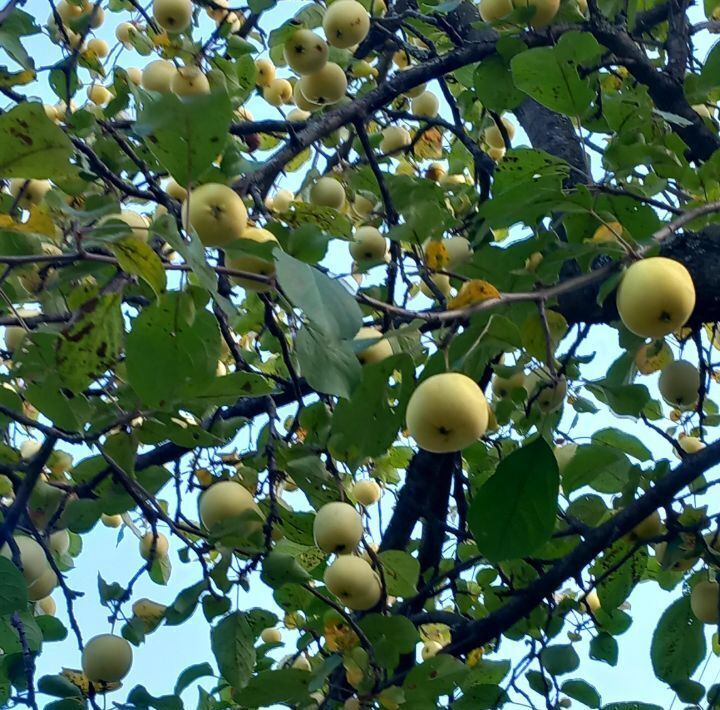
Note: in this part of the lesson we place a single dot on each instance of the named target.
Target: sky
(169, 650)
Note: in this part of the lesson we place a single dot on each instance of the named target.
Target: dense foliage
(336, 354)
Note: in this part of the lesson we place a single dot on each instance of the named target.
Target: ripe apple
(648, 528)
(99, 94)
(495, 9)
(305, 52)
(32, 557)
(254, 264)
(447, 412)
(550, 396)
(430, 649)
(33, 191)
(656, 296)
(494, 138)
(46, 606)
(43, 585)
(271, 636)
(134, 75)
(106, 659)
(337, 528)
(704, 601)
(265, 72)
(324, 87)
(123, 33)
(189, 81)
(354, 582)
(59, 542)
(690, 444)
(376, 352)
(282, 200)
(346, 23)
(608, 232)
(545, 11)
(503, 387)
(216, 212)
(679, 384)
(225, 500)
(362, 206)
(301, 100)
(563, 455)
(175, 190)
(111, 521)
(426, 105)
(394, 138)
(297, 114)
(367, 492)
(459, 251)
(442, 283)
(173, 15)
(497, 154)
(99, 47)
(158, 76)
(278, 92)
(328, 192)
(162, 546)
(368, 245)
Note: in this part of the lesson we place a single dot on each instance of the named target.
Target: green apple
(679, 384)
(354, 582)
(346, 23)
(337, 528)
(106, 659)
(216, 212)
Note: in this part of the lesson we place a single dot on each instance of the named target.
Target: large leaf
(582, 691)
(32, 145)
(136, 257)
(18, 24)
(171, 346)
(324, 301)
(185, 136)
(678, 644)
(287, 685)
(619, 578)
(593, 462)
(232, 643)
(13, 590)
(391, 636)
(401, 572)
(513, 513)
(550, 74)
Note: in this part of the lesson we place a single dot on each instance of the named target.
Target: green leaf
(435, 677)
(232, 642)
(58, 686)
(581, 691)
(136, 257)
(689, 691)
(324, 301)
(488, 672)
(287, 685)
(52, 629)
(182, 343)
(90, 345)
(592, 462)
(18, 24)
(617, 584)
(401, 572)
(622, 399)
(33, 146)
(391, 637)
(379, 401)
(619, 439)
(678, 643)
(494, 86)
(632, 705)
(604, 648)
(560, 659)
(141, 699)
(329, 365)
(184, 605)
(534, 339)
(13, 590)
(191, 674)
(185, 136)
(280, 568)
(550, 74)
(513, 513)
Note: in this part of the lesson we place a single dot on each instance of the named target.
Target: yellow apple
(33, 191)
(271, 636)
(216, 212)
(495, 9)
(46, 606)
(367, 492)
(376, 352)
(442, 283)
(32, 557)
(265, 72)
(99, 94)
(545, 11)
(99, 47)
(368, 245)
(301, 101)
(225, 500)
(59, 542)
(324, 87)
(346, 23)
(111, 521)
(173, 15)
(158, 76)
(548, 396)
(134, 75)
(394, 138)
(282, 200)
(648, 528)
(328, 192)
(337, 528)
(354, 582)
(362, 207)
(679, 384)
(278, 92)
(459, 251)
(503, 387)
(254, 264)
(497, 154)
(161, 544)
(656, 296)
(591, 602)
(690, 444)
(106, 659)
(297, 114)
(426, 105)
(447, 412)
(494, 138)
(175, 190)
(189, 81)
(705, 601)
(43, 585)
(430, 649)
(123, 32)
(305, 52)
(608, 232)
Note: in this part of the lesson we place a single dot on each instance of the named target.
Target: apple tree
(392, 321)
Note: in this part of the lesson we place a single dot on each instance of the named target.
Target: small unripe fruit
(337, 528)
(545, 11)
(254, 264)
(111, 521)
(123, 32)
(503, 387)
(32, 557)
(441, 283)
(59, 542)
(106, 659)
(705, 601)
(160, 544)
(679, 384)
(99, 47)
(43, 585)
(137, 223)
(30, 192)
(495, 9)
(176, 191)
(223, 501)
(430, 649)
(346, 23)
(134, 75)
(216, 212)
(493, 137)
(99, 95)
(278, 92)
(648, 528)
(47, 606)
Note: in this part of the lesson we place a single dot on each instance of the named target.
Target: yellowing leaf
(713, 333)
(37, 223)
(653, 357)
(475, 291)
(339, 636)
(436, 632)
(20, 78)
(80, 680)
(436, 255)
(429, 145)
(136, 257)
